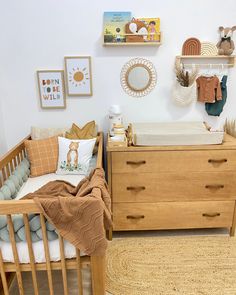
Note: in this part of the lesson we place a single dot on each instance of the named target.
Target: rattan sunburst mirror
(138, 77)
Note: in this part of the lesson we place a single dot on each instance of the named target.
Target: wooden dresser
(174, 187)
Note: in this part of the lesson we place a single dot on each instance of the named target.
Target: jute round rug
(172, 265)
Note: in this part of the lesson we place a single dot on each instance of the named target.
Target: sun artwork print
(79, 77)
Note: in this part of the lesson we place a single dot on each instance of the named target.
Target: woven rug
(172, 265)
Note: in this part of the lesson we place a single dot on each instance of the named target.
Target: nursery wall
(3, 147)
(38, 34)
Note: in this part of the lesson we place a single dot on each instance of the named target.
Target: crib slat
(8, 170)
(4, 174)
(23, 155)
(63, 265)
(31, 253)
(11, 166)
(79, 274)
(3, 275)
(18, 159)
(15, 162)
(15, 254)
(47, 254)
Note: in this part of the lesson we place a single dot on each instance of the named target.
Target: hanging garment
(208, 89)
(184, 96)
(215, 109)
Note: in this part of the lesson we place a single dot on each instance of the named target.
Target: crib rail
(11, 160)
(100, 150)
(25, 207)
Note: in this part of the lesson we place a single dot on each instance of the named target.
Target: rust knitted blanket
(80, 214)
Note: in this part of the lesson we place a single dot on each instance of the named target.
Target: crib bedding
(31, 185)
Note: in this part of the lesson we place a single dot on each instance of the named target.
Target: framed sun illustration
(78, 75)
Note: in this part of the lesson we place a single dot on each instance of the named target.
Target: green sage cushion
(6, 192)
(12, 185)
(2, 197)
(16, 181)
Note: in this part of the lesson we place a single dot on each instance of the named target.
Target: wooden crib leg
(3, 277)
(98, 274)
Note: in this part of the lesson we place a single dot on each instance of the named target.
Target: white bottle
(115, 118)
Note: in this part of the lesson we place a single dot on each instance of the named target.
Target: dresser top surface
(229, 143)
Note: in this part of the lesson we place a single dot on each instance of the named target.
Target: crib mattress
(31, 185)
(174, 133)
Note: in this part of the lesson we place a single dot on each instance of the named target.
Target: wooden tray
(111, 143)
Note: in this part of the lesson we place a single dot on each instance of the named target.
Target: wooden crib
(25, 207)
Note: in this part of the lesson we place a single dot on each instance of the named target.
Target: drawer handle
(135, 216)
(211, 214)
(135, 162)
(214, 186)
(217, 160)
(135, 188)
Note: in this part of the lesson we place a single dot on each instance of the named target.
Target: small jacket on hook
(215, 109)
(209, 89)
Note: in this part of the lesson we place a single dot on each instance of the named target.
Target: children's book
(153, 25)
(114, 25)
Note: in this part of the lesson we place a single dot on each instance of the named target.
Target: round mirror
(138, 77)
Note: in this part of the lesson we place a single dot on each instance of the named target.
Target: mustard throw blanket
(80, 214)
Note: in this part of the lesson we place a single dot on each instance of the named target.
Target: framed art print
(51, 89)
(78, 76)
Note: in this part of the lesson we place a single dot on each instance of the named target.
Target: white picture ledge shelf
(229, 58)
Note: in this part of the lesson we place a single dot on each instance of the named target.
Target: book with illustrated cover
(114, 26)
(153, 25)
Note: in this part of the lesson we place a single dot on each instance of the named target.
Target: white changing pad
(31, 185)
(174, 133)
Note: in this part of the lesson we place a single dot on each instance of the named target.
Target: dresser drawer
(172, 215)
(167, 161)
(156, 187)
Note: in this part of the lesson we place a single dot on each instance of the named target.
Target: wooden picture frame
(51, 86)
(78, 73)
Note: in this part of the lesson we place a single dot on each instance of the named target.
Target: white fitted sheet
(30, 186)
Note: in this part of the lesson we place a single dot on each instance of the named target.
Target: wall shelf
(145, 43)
(229, 58)
(132, 44)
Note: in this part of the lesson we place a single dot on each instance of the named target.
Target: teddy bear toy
(136, 31)
(226, 44)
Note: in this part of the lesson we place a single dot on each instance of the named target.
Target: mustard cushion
(86, 132)
(89, 131)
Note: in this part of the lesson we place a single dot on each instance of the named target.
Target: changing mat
(174, 133)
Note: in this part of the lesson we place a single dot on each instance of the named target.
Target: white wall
(38, 34)
(3, 146)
